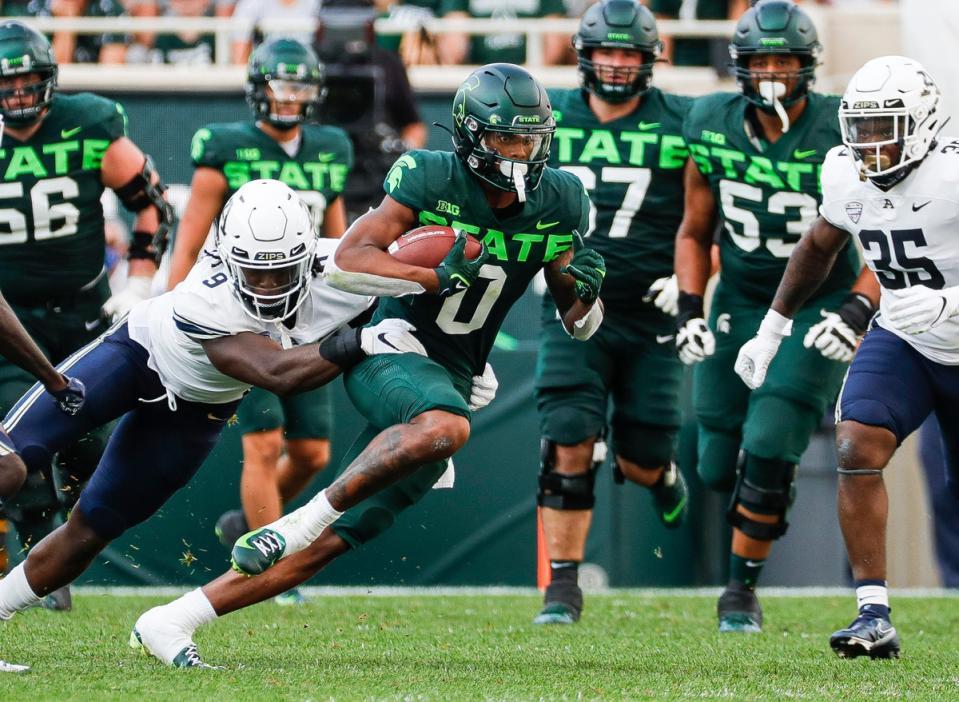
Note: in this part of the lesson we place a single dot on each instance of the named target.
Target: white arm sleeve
(368, 283)
(586, 326)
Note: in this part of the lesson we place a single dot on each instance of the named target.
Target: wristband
(343, 348)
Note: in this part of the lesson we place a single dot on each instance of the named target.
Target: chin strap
(772, 91)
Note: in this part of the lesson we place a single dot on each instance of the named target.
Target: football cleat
(13, 668)
(60, 600)
(257, 550)
(290, 598)
(157, 634)
(230, 526)
(867, 636)
(739, 611)
(563, 604)
(671, 497)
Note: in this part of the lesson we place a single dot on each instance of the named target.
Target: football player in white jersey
(894, 188)
(248, 314)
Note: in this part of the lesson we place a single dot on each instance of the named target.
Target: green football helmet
(617, 24)
(774, 27)
(503, 126)
(284, 70)
(24, 51)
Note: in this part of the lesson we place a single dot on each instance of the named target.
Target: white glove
(390, 336)
(664, 293)
(918, 309)
(694, 341)
(835, 339)
(757, 353)
(137, 290)
(484, 389)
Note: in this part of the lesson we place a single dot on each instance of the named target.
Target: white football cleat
(158, 635)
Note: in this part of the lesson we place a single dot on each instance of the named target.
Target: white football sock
(303, 526)
(872, 594)
(193, 610)
(16, 593)
(168, 629)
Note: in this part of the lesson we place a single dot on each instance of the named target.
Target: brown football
(427, 246)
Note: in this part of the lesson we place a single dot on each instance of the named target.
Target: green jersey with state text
(458, 331)
(51, 219)
(244, 152)
(767, 194)
(632, 168)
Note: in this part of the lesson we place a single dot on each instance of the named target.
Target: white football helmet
(267, 242)
(890, 100)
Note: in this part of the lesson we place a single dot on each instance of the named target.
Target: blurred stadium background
(483, 532)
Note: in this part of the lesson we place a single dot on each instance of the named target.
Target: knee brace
(773, 497)
(566, 492)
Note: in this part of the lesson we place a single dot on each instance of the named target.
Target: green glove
(588, 268)
(456, 272)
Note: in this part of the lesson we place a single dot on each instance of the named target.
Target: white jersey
(203, 306)
(909, 235)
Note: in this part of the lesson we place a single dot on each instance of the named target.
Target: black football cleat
(867, 636)
(739, 611)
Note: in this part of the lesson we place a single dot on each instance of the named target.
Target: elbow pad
(138, 194)
(368, 283)
(586, 326)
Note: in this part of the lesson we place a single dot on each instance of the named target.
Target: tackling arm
(362, 265)
(17, 346)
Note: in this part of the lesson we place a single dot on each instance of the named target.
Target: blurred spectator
(698, 52)
(258, 10)
(368, 95)
(508, 47)
(416, 46)
(77, 48)
(185, 48)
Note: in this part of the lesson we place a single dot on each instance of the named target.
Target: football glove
(136, 290)
(587, 268)
(664, 294)
(484, 389)
(70, 399)
(390, 336)
(918, 309)
(694, 340)
(837, 336)
(754, 357)
(456, 272)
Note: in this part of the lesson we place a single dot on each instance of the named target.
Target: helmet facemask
(894, 106)
(271, 294)
(26, 104)
(614, 83)
(284, 72)
(767, 89)
(509, 158)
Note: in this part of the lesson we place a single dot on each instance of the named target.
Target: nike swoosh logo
(645, 126)
(67, 133)
(212, 417)
(546, 225)
(670, 517)
(799, 154)
(754, 564)
(90, 326)
(326, 157)
(663, 338)
(916, 208)
(382, 338)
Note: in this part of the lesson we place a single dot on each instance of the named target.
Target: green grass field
(481, 647)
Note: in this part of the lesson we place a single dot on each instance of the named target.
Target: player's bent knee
(764, 487)
(13, 473)
(262, 447)
(564, 491)
(444, 433)
(863, 447)
(717, 458)
(309, 456)
(573, 459)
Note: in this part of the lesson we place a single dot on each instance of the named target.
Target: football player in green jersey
(286, 441)
(59, 153)
(496, 186)
(754, 168)
(623, 139)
